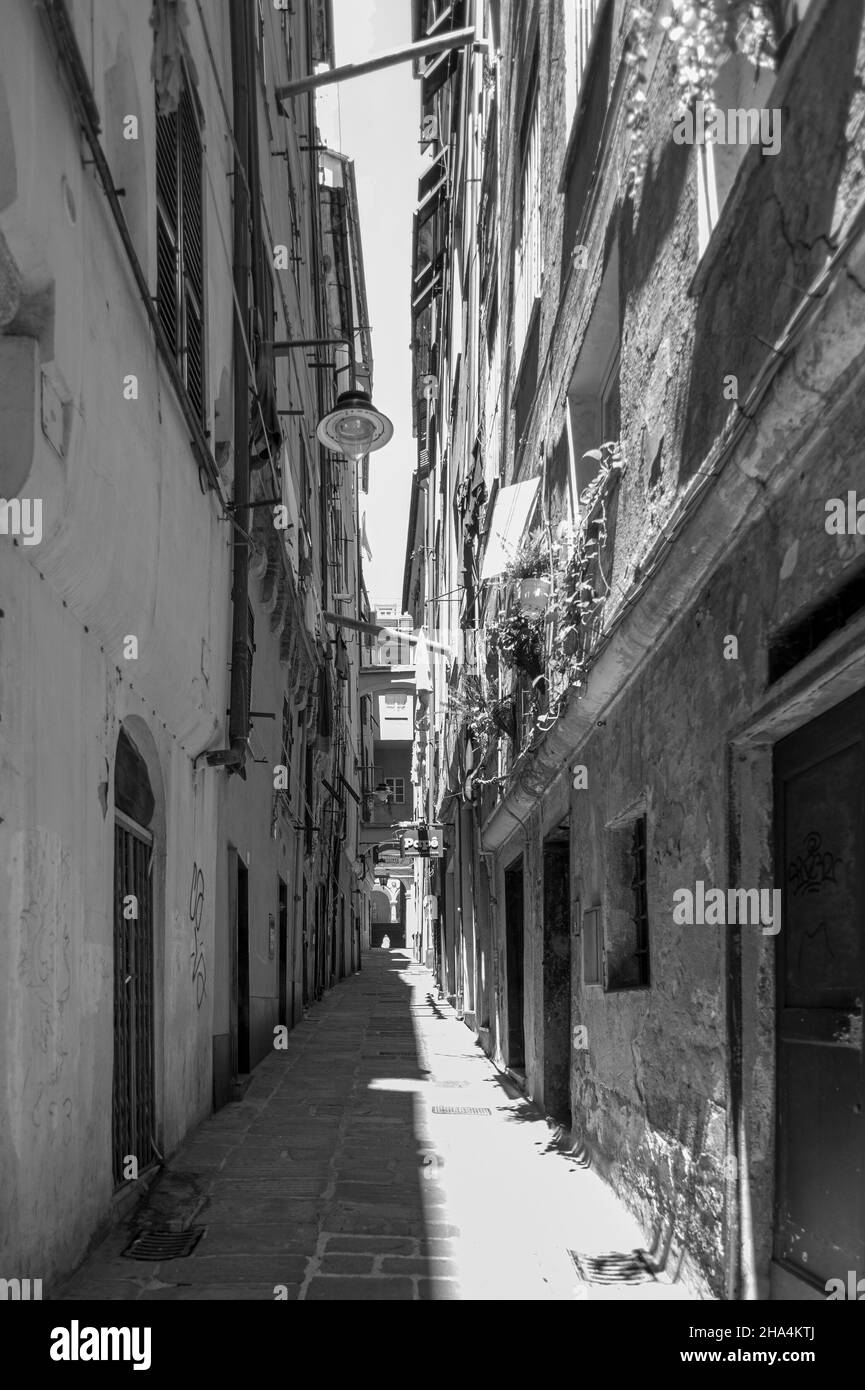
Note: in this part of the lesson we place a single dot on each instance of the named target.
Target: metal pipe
(375, 629)
(238, 730)
(281, 348)
(458, 38)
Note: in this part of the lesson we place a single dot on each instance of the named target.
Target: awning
(511, 511)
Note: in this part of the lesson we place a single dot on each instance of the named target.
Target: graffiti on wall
(196, 912)
(813, 867)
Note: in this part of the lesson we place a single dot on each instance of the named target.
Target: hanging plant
(704, 34)
(482, 719)
(518, 640)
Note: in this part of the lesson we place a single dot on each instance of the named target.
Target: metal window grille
(133, 1103)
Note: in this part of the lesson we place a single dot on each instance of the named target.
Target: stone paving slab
(334, 1179)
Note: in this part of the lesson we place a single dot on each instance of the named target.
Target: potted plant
(528, 574)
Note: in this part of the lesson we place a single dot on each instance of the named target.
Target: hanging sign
(423, 842)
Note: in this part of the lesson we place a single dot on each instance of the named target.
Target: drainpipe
(241, 674)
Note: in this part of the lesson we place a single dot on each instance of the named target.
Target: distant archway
(388, 914)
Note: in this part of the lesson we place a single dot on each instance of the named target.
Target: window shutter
(167, 220)
(192, 251)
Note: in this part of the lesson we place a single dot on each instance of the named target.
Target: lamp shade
(354, 427)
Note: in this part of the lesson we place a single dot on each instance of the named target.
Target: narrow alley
(379, 1156)
(432, 667)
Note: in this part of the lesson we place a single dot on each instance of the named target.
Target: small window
(395, 702)
(611, 408)
(287, 745)
(592, 961)
(627, 917)
(739, 117)
(396, 790)
(594, 404)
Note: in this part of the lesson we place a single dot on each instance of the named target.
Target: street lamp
(354, 427)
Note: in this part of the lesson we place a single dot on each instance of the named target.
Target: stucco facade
(119, 625)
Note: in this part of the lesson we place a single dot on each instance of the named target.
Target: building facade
(182, 297)
(638, 382)
(387, 686)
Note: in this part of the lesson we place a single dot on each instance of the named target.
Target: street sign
(423, 842)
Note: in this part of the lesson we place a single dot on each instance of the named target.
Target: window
(611, 410)
(395, 702)
(592, 954)
(580, 16)
(743, 117)
(582, 153)
(396, 790)
(250, 653)
(180, 238)
(594, 411)
(627, 926)
(528, 267)
(287, 747)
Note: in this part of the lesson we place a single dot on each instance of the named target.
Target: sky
(375, 119)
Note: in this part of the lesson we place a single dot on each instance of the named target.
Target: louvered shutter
(192, 251)
(167, 229)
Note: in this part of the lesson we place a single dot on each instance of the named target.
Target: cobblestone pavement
(347, 1173)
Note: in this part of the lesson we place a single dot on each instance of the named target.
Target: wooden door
(820, 984)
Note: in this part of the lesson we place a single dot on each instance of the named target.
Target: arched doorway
(133, 1097)
(388, 914)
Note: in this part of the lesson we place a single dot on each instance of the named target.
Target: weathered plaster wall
(650, 1094)
(130, 546)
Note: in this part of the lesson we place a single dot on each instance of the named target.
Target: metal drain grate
(163, 1245)
(614, 1268)
(461, 1110)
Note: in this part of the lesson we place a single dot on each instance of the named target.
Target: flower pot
(533, 595)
